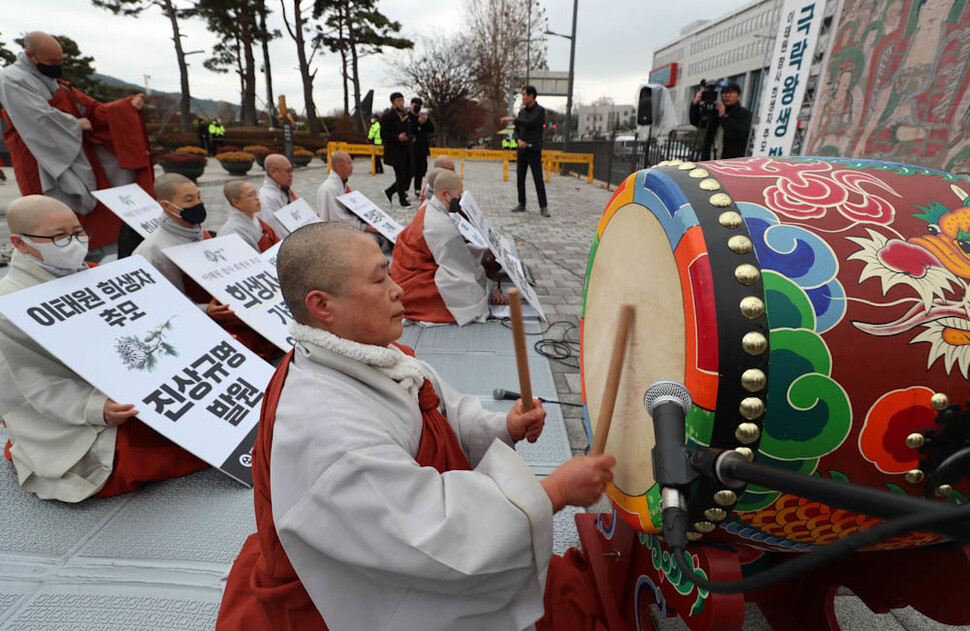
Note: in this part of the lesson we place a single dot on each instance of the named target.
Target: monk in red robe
(64, 144)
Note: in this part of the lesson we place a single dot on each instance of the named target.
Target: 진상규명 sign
(133, 205)
(236, 275)
(132, 335)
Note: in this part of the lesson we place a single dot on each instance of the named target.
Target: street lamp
(569, 89)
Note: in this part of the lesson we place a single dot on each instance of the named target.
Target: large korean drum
(816, 309)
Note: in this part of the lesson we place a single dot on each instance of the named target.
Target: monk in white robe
(443, 275)
(68, 440)
(276, 192)
(64, 144)
(385, 499)
(328, 207)
(244, 204)
(443, 163)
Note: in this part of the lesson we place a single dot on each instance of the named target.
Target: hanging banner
(296, 214)
(132, 335)
(788, 71)
(227, 268)
(133, 206)
(501, 248)
(357, 203)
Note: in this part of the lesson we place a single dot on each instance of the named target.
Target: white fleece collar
(388, 360)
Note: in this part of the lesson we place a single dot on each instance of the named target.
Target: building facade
(600, 121)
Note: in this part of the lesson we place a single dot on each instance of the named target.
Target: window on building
(753, 93)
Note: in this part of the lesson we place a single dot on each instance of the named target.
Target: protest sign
(500, 247)
(364, 208)
(235, 275)
(296, 215)
(469, 231)
(133, 205)
(132, 335)
(270, 255)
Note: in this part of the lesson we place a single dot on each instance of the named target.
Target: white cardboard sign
(469, 231)
(130, 333)
(133, 205)
(498, 245)
(357, 203)
(296, 214)
(227, 268)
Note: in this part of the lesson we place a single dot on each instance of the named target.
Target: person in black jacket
(529, 125)
(396, 134)
(727, 129)
(421, 128)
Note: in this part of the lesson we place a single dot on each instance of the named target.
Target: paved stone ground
(556, 249)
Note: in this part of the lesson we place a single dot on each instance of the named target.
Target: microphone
(668, 403)
(500, 394)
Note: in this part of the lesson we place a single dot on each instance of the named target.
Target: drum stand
(632, 569)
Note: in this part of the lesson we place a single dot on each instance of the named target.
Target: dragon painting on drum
(813, 307)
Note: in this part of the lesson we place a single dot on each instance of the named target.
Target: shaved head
(317, 256)
(342, 164)
(165, 185)
(26, 214)
(233, 189)
(444, 162)
(41, 47)
(276, 161)
(447, 181)
(340, 157)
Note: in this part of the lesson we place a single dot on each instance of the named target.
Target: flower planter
(237, 168)
(191, 171)
(302, 160)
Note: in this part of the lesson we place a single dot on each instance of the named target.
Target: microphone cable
(562, 349)
(818, 557)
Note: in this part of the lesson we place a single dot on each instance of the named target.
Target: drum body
(812, 306)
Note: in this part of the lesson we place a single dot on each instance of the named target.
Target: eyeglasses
(62, 240)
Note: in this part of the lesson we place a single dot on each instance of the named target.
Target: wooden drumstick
(612, 379)
(521, 359)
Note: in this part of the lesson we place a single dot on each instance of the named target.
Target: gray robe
(248, 229)
(54, 138)
(169, 234)
(329, 208)
(271, 199)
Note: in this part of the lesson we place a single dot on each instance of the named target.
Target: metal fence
(614, 160)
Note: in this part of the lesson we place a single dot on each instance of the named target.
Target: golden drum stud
(746, 452)
(715, 514)
(747, 274)
(915, 440)
(753, 380)
(720, 200)
(752, 307)
(751, 408)
(914, 476)
(699, 173)
(663, 163)
(940, 401)
(674, 163)
(710, 184)
(739, 244)
(704, 527)
(754, 343)
(747, 433)
(730, 219)
(694, 536)
(943, 490)
(686, 166)
(725, 498)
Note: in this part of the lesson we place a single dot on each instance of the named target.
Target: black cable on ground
(820, 556)
(561, 349)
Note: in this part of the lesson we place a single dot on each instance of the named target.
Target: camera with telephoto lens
(710, 90)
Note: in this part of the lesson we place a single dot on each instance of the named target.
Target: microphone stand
(734, 471)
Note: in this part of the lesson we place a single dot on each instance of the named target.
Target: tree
(7, 56)
(132, 8)
(504, 37)
(237, 24)
(265, 36)
(440, 76)
(297, 32)
(357, 29)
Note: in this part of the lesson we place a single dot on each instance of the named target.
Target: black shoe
(544, 211)
(519, 208)
(389, 195)
(404, 202)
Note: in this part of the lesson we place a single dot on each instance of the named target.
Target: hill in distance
(200, 107)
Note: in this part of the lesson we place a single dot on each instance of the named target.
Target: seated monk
(244, 203)
(442, 275)
(384, 498)
(181, 222)
(442, 163)
(68, 441)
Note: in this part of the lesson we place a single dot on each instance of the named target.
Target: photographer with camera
(723, 124)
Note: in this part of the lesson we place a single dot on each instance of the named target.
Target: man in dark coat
(728, 126)
(396, 134)
(421, 128)
(529, 127)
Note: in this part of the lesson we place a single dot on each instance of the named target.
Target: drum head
(634, 264)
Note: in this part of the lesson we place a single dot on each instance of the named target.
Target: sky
(615, 40)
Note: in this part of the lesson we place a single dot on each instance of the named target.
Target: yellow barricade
(552, 160)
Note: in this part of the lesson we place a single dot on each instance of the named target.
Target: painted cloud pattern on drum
(936, 265)
(893, 417)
